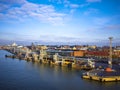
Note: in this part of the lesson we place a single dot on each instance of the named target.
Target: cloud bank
(22, 10)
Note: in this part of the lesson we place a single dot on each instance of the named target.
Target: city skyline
(60, 21)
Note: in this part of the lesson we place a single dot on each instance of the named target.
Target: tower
(110, 53)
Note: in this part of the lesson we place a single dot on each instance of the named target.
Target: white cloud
(91, 11)
(72, 11)
(93, 1)
(63, 39)
(74, 5)
(44, 13)
(83, 5)
(101, 20)
(56, 1)
(112, 27)
(3, 7)
(13, 1)
(66, 1)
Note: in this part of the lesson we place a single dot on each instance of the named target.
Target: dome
(14, 44)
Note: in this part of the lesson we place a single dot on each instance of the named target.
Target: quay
(102, 75)
(60, 61)
(53, 57)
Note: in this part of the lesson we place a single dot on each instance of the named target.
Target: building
(14, 44)
(60, 52)
(73, 53)
(100, 54)
(79, 53)
(116, 53)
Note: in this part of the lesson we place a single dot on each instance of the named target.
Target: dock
(102, 75)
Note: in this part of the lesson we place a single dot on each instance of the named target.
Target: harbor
(20, 74)
(59, 45)
(67, 58)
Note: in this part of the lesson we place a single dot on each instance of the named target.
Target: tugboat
(107, 74)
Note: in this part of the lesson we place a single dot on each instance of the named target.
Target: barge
(102, 75)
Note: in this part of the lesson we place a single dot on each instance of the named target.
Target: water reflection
(67, 73)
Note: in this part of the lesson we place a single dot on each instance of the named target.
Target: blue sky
(60, 21)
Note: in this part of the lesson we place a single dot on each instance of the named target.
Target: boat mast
(110, 53)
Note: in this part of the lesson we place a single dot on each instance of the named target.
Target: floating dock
(102, 75)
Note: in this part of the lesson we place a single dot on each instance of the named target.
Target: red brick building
(103, 54)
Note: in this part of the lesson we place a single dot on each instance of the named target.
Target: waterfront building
(74, 53)
(92, 46)
(43, 54)
(41, 47)
(78, 53)
(99, 54)
(116, 53)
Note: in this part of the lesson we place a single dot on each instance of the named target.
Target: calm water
(22, 75)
